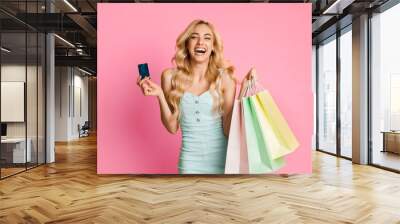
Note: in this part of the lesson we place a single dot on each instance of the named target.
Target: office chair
(84, 130)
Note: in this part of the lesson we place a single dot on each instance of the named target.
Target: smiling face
(200, 44)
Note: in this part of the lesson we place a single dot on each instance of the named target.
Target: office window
(385, 88)
(395, 102)
(346, 93)
(327, 95)
(314, 86)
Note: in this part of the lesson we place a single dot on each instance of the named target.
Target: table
(13, 150)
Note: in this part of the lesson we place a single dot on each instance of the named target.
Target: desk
(15, 148)
(391, 141)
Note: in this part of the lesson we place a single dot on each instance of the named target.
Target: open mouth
(200, 51)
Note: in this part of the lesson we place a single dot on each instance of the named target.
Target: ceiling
(76, 22)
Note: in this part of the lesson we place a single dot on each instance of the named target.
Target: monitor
(3, 129)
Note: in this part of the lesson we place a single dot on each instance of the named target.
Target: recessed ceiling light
(5, 50)
(84, 71)
(70, 5)
(64, 40)
(338, 6)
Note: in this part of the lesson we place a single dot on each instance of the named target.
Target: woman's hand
(251, 75)
(149, 88)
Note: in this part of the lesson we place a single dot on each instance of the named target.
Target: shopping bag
(236, 155)
(259, 157)
(280, 139)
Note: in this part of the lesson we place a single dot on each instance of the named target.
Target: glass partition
(13, 110)
(22, 88)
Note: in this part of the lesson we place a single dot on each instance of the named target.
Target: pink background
(275, 38)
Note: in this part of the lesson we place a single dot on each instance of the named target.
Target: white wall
(62, 78)
(71, 93)
(17, 73)
(79, 117)
(12, 101)
(14, 73)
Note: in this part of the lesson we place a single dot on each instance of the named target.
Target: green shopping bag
(280, 138)
(259, 158)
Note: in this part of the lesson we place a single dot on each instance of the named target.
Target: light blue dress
(204, 144)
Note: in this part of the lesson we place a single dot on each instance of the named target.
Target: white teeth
(200, 50)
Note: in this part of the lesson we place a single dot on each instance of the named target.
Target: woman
(197, 96)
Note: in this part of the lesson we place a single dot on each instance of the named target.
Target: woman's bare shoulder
(168, 73)
(228, 80)
(166, 78)
(228, 67)
(227, 72)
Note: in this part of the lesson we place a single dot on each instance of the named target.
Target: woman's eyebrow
(207, 34)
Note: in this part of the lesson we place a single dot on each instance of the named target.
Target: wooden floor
(387, 159)
(70, 191)
(5, 172)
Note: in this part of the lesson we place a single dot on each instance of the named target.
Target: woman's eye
(207, 38)
(193, 37)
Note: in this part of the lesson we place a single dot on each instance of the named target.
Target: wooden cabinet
(391, 142)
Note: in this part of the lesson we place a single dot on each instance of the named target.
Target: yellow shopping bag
(280, 139)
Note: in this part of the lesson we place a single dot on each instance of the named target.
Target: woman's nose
(200, 40)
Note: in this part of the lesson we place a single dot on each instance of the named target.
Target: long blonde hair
(182, 78)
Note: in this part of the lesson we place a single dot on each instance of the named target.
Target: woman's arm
(229, 92)
(168, 118)
(252, 74)
(149, 88)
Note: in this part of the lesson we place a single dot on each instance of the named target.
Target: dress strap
(221, 74)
